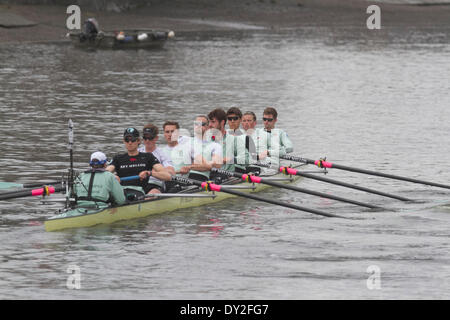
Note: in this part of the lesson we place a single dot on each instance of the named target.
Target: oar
(27, 192)
(325, 164)
(290, 171)
(24, 191)
(129, 178)
(39, 184)
(256, 179)
(46, 191)
(71, 172)
(9, 185)
(214, 187)
(40, 191)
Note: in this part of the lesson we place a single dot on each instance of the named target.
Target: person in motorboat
(90, 30)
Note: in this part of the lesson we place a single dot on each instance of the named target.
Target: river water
(378, 101)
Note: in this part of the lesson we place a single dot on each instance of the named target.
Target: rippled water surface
(375, 101)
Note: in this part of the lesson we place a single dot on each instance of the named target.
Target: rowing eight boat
(190, 197)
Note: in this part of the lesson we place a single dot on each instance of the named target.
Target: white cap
(100, 156)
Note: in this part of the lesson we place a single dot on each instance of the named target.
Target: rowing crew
(212, 146)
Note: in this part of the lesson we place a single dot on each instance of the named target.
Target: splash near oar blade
(44, 191)
(207, 186)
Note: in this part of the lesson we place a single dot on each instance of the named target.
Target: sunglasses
(132, 139)
(233, 118)
(198, 123)
(268, 119)
(148, 137)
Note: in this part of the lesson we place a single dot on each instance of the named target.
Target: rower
(97, 186)
(205, 154)
(234, 118)
(248, 122)
(235, 154)
(178, 148)
(217, 121)
(150, 137)
(253, 141)
(134, 163)
(272, 142)
(237, 144)
(91, 30)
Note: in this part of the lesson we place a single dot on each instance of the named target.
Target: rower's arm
(245, 152)
(159, 172)
(217, 162)
(200, 164)
(286, 143)
(117, 192)
(171, 170)
(167, 163)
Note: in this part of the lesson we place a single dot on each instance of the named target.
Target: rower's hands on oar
(226, 160)
(263, 155)
(145, 174)
(184, 170)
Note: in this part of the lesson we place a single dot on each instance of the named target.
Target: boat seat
(132, 194)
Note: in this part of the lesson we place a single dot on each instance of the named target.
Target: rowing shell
(83, 217)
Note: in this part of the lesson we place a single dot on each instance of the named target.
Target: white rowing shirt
(163, 158)
(181, 155)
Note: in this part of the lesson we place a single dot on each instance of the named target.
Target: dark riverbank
(48, 22)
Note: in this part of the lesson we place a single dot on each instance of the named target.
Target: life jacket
(89, 197)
